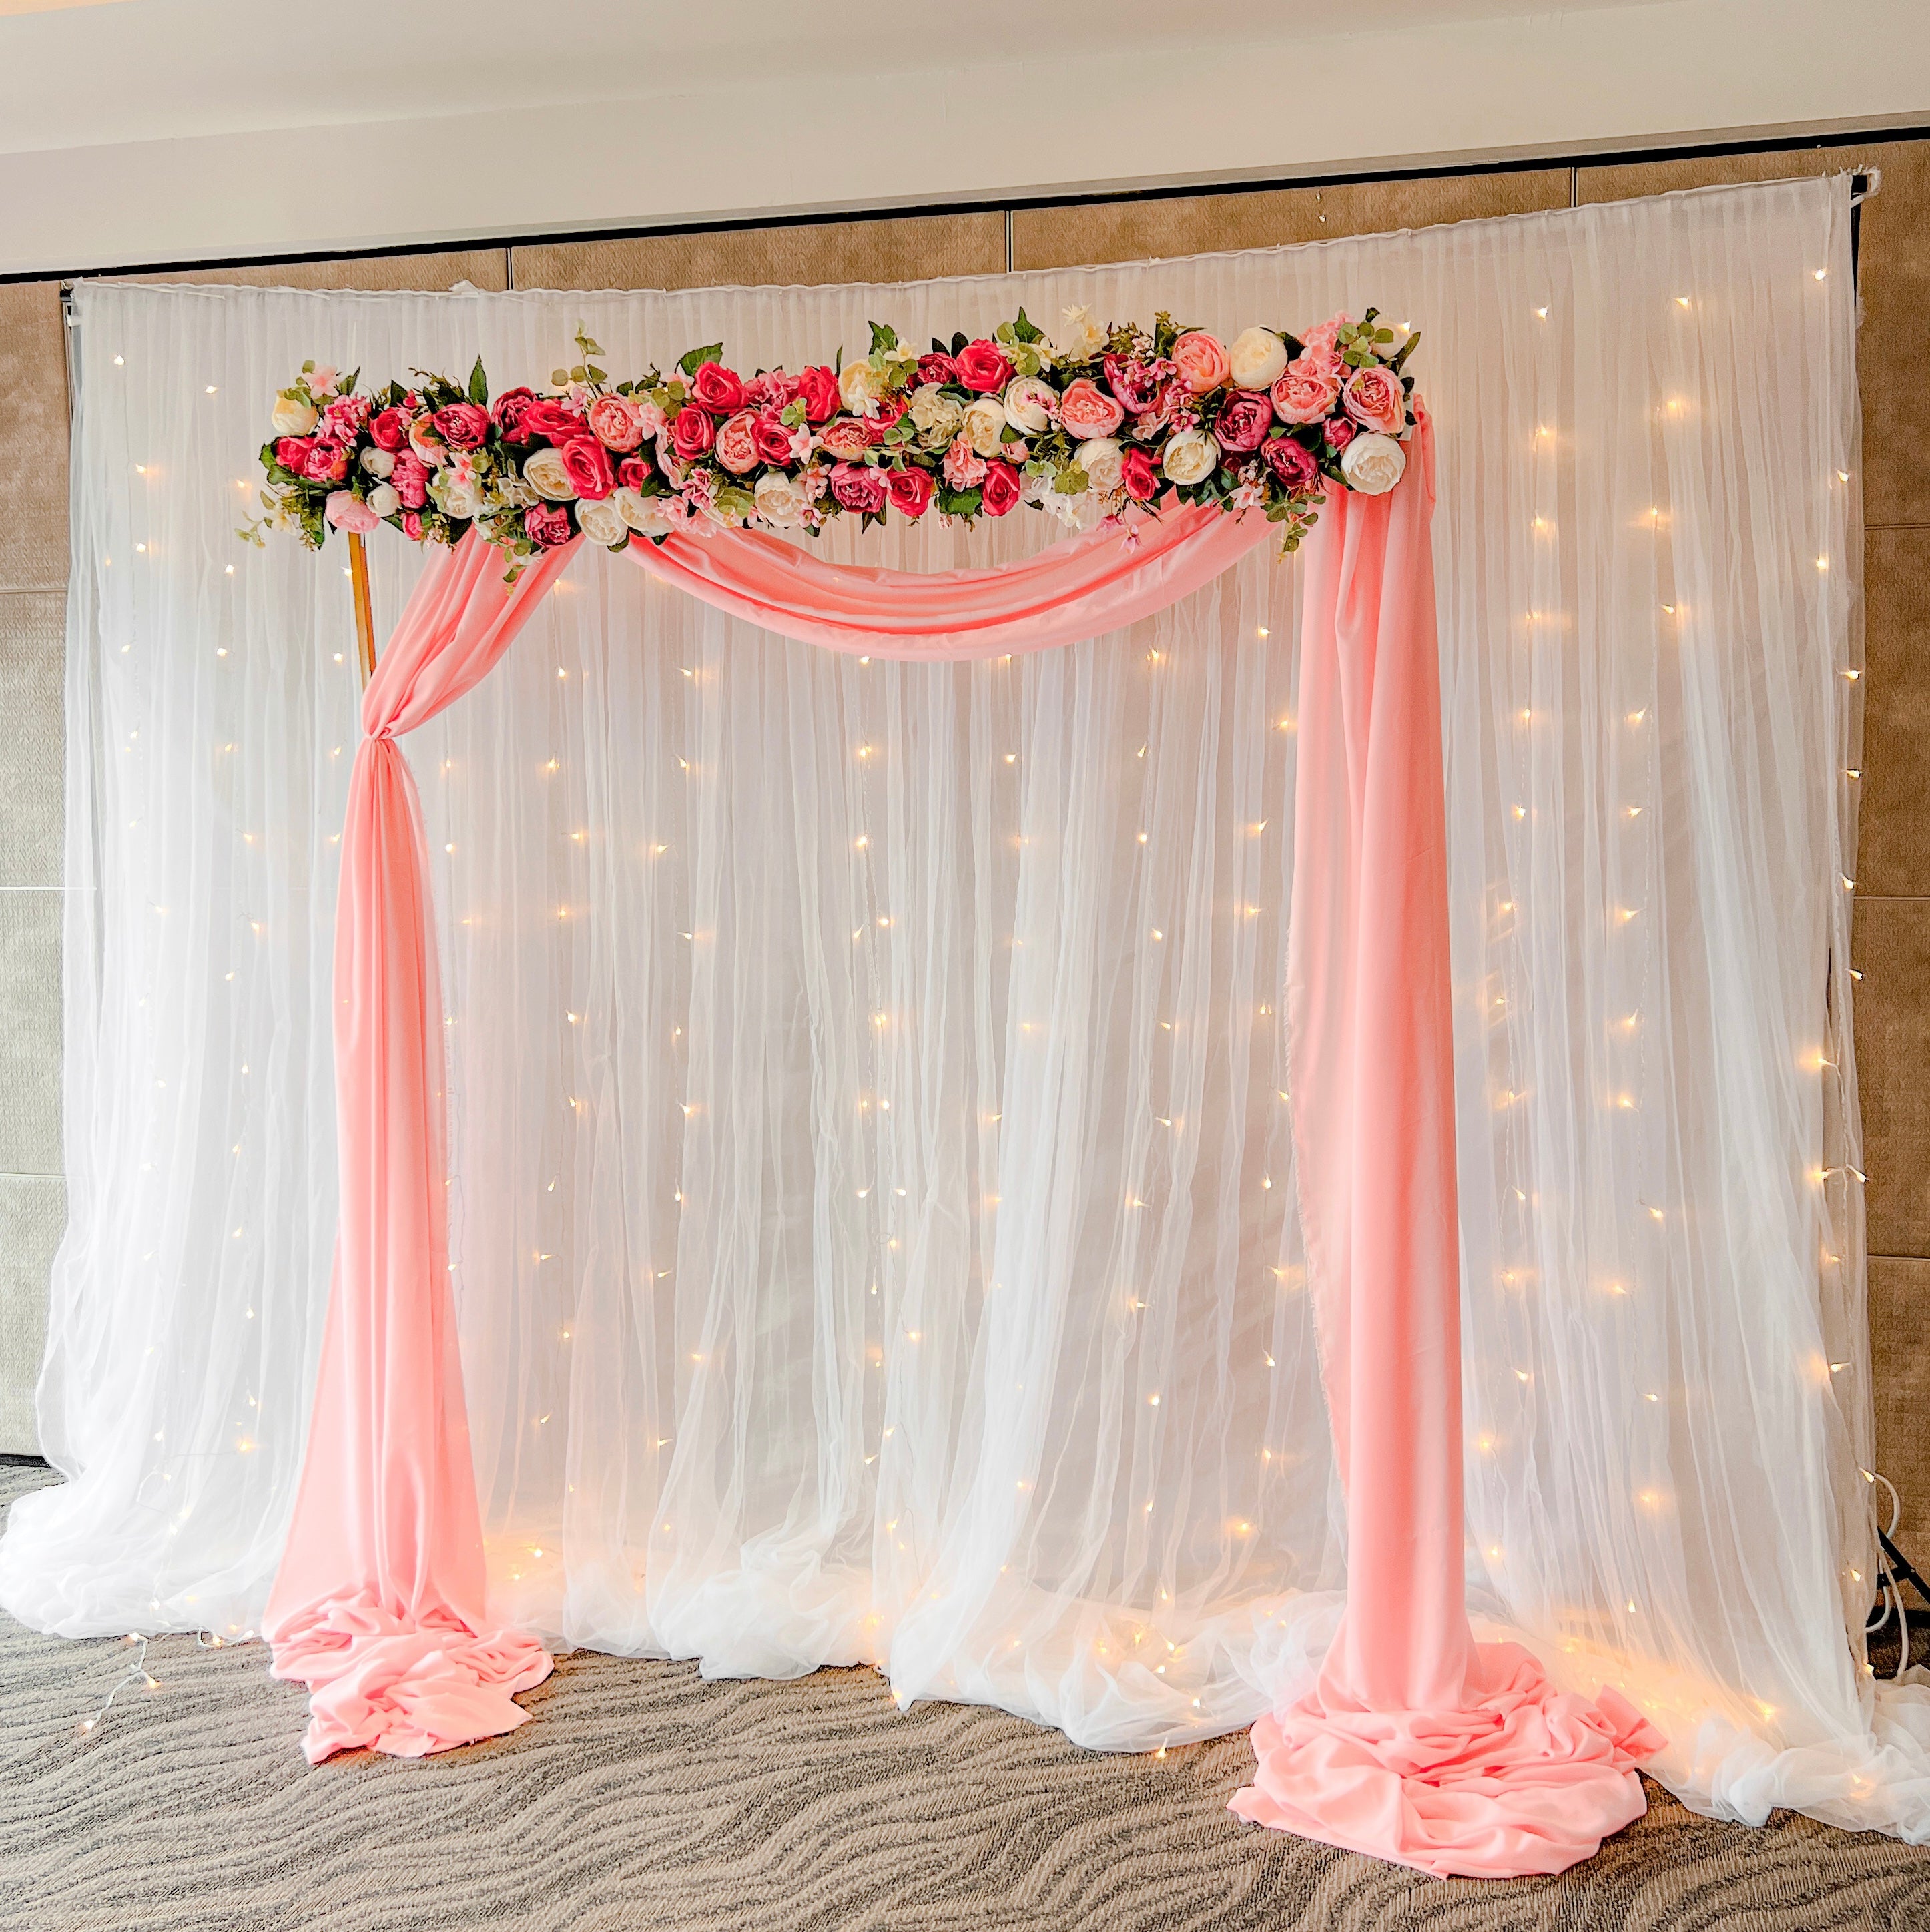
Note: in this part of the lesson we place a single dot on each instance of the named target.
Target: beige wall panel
(1893, 278)
(1891, 945)
(30, 921)
(33, 440)
(1899, 1293)
(1133, 231)
(902, 249)
(33, 1212)
(443, 268)
(33, 748)
(1893, 830)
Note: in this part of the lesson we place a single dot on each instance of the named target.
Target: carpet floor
(639, 1795)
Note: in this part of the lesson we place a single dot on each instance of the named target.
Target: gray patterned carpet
(641, 1796)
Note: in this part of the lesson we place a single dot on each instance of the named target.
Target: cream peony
(383, 500)
(545, 473)
(1080, 339)
(1373, 464)
(379, 463)
(1100, 459)
(781, 500)
(937, 417)
(860, 386)
(601, 522)
(1028, 405)
(1190, 456)
(293, 416)
(1257, 358)
(985, 425)
(460, 497)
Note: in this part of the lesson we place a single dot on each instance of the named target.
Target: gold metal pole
(365, 616)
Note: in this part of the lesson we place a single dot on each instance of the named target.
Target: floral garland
(1086, 425)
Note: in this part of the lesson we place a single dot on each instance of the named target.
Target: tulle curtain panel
(872, 1202)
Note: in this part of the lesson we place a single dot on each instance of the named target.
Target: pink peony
(846, 437)
(412, 526)
(962, 469)
(737, 443)
(389, 431)
(327, 463)
(614, 423)
(1201, 361)
(586, 464)
(347, 511)
(1323, 339)
(1375, 399)
(1001, 489)
(858, 487)
(937, 367)
(1136, 384)
(548, 524)
(692, 433)
(1137, 476)
(1341, 431)
(910, 490)
(770, 389)
(982, 366)
(410, 478)
(1293, 463)
(463, 425)
(1244, 418)
(718, 389)
(817, 389)
(1086, 411)
(1302, 398)
(509, 409)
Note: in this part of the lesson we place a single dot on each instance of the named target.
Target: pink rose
(777, 441)
(509, 409)
(327, 463)
(389, 431)
(1293, 463)
(1339, 433)
(1001, 489)
(1086, 411)
(550, 421)
(613, 421)
(963, 470)
(1244, 418)
(848, 437)
(817, 389)
(1201, 361)
(858, 487)
(1375, 399)
(412, 526)
(910, 490)
(292, 453)
(718, 389)
(410, 478)
(586, 464)
(981, 365)
(1300, 397)
(692, 433)
(1137, 476)
(938, 368)
(737, 443)
(548, 524)
(463, 425)
(347, 511)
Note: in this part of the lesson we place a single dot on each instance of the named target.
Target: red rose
(327, 463)
(632, 473)
(1341, 432)
(818, 389)
(981, 365)
(910, 490)
(292, 453)
(463, 425)
(890, 409)
(858, 487)
(692, 433)
(586, 464)
(718, 389)
(1001, 489)
(1136, 384)
(937, 368)
(549, 420)
(1292, 462)
(1136, 474)
(548, 524)
(1244, 418)
(412, 525)
(410, 477)
(390, 429)
(509, 409)
(773, 440)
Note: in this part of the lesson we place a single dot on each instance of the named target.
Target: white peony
(1373, 464)
(1190, 456)
(383, 500)
(1080, 339)
(1028, 405)
(984, 425)
(781, 500)
(293, 416)
(545, 474)
(1100, 459)
(379, 463)
(937, 417)
(640, 512)
(1257, 359)
(860, 386)
(460, 496)
(601, 522)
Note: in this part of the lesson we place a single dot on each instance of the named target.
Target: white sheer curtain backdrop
(872, 1196)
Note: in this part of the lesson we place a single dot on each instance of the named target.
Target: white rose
(545, 474)
(383, 500)
(937, 417)
(1080, 339)
(602, 522)
(781, 501)
(984, 424)
(859, 385)
(1100, 459)
(1258, 359)
(460, 497)
(293, 416)
(1190, 456)
(1028, 405)
(379, 463)
(1373, 464)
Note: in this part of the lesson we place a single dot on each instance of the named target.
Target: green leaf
(1400, 361)
(959, 341)
(693, 360)
(959, 502)
(883, 336)
(479, 384)
(559, 378)
(1026, 330)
